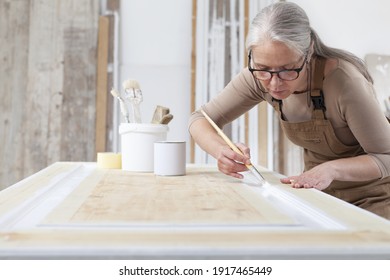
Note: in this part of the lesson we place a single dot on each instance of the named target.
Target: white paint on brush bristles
(122, 104)
(130, 84)
(134, 97)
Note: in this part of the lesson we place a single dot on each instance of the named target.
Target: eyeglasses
(285, 74)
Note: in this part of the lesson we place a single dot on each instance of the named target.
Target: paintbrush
(134, 95)
(122, 104)
(166, 119)
(159, 113)
(253, 169)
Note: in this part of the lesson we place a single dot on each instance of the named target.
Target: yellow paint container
(109, 160)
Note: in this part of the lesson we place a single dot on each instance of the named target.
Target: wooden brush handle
(223, 135)
(232, 146)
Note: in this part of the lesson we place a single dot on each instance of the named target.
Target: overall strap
(316, 94)
(278, 105)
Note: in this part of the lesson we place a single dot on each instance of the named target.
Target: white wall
(359, 26)
(155, 50)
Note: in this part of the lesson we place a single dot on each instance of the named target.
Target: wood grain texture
(258, 240)
(23, 191)
(205, 214)
(78, 109)
(102, 84)
(14, 38)
(193, 72)
(200, 197)
(48, 71)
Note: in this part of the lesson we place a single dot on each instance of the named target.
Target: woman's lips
(277, 92)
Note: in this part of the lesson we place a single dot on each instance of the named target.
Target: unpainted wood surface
(26, 190)
(291, 243)
(115, 213)
(201, 197)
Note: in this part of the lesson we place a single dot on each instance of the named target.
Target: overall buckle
(318, 101)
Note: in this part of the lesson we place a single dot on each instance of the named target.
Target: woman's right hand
(230, 162)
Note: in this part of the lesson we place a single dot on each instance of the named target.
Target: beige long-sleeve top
(351, 107)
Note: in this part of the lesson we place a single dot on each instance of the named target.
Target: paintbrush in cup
(134, 96)
(253, 169)
(166, 119)
(159, 113)
(122, 104)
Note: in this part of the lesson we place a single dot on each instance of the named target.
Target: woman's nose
(275, 80)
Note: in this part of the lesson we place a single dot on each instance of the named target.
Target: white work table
(78, 211)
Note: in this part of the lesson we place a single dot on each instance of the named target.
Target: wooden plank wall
(14, 15)
(102, 84)
(193, 72)
(105, 77)
(47, 84)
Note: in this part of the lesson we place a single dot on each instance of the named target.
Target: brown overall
(320, 144)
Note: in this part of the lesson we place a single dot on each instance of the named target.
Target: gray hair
(288, 23)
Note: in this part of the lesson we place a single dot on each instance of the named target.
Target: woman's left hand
(318, 177)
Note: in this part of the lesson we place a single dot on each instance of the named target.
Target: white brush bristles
(130, 84)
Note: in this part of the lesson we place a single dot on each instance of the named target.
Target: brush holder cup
(137, 145)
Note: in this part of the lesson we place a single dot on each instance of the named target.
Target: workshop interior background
(56, 71)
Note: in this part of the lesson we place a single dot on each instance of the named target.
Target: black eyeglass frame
(297, 70)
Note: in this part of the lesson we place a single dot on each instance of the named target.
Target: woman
(326, 104)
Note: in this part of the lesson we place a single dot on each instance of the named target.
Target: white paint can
(170, 158)
(137, 140)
